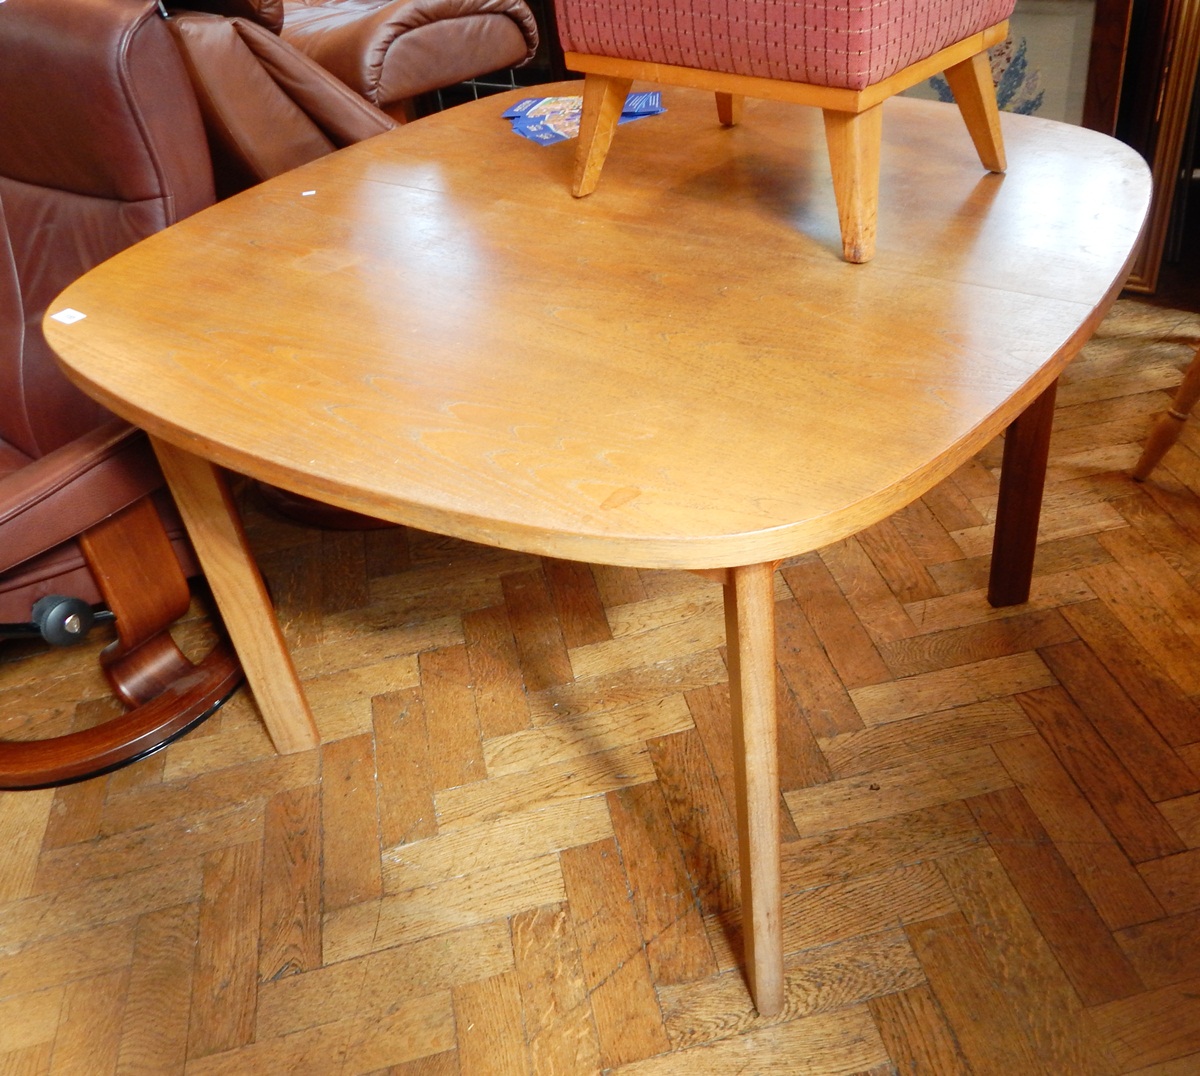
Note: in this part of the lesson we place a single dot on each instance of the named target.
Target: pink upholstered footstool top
(849, 44)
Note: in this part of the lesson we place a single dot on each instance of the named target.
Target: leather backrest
(267, 107)
(101, 144)
(12, 334)
(267, 13)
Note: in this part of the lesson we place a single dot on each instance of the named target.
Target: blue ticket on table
(547, 120)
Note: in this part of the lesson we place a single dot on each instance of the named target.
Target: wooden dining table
(679, 371)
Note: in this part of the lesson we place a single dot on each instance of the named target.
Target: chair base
(853, 120)
(131, 559)
(78, 756)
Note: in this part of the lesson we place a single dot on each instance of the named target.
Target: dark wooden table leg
(1022, 480)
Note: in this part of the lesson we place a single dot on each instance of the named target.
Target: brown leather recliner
(111, 121)
(391, 51)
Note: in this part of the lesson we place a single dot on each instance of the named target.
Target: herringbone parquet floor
(513, 852)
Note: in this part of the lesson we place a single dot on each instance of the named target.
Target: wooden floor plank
(290, 935)
(489, 1031)
(1148, 757)
(1165, 951)
(576, 599)
(902, 569)
(1115, 888)
(79, 955)
(30, 1020)
(1151, 1028)
(895, 789)
(495, 844)
(1064, 916)
(835, 623)
(664, 904)
(827, 1044)
(629, 1024)
(541, 651)
(560, 1031)
(823, 979)
(349, 823)
(225, 981)
(23, 822)
(1174, 714)
(1135, 822)
(880, 611)
(378, 981)
(500, 701)
(703, 825)
(988, 1032)
(455, 750)
(916, 1033)
(403, 768)
(962, 685)
(89, 1031)
(1175, 880)
(154, 1024)
(427, 911)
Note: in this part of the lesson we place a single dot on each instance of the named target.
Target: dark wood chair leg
(1022, 480)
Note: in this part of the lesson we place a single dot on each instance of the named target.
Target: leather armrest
(62, 494)
(401, 48)
(267, 13)
(267, 107)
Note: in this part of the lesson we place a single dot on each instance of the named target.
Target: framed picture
(1042, 68)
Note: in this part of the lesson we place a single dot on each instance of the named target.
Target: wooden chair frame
(853, 118)
(1170, 423)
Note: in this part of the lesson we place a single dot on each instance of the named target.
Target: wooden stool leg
(975, 94)
(216, 533)
(729, 108)
(750, 637)
(854, 139)
(1022, 480)
(1170, 424)
(603, 99)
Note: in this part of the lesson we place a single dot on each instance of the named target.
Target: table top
(677, 371)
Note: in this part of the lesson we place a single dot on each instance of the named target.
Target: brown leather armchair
(89, 164)
(391, 51)
(114, 123)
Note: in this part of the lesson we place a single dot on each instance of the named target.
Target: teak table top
(678, 371)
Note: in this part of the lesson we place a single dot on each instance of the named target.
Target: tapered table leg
(1022, 480)
(750, 635)
(216, 532)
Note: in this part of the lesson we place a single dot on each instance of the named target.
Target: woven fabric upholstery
(844, 43)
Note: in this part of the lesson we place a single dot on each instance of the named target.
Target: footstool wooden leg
(750, 637)
(854, 140)
(729, 108)
(975, 94)
(603, 99)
